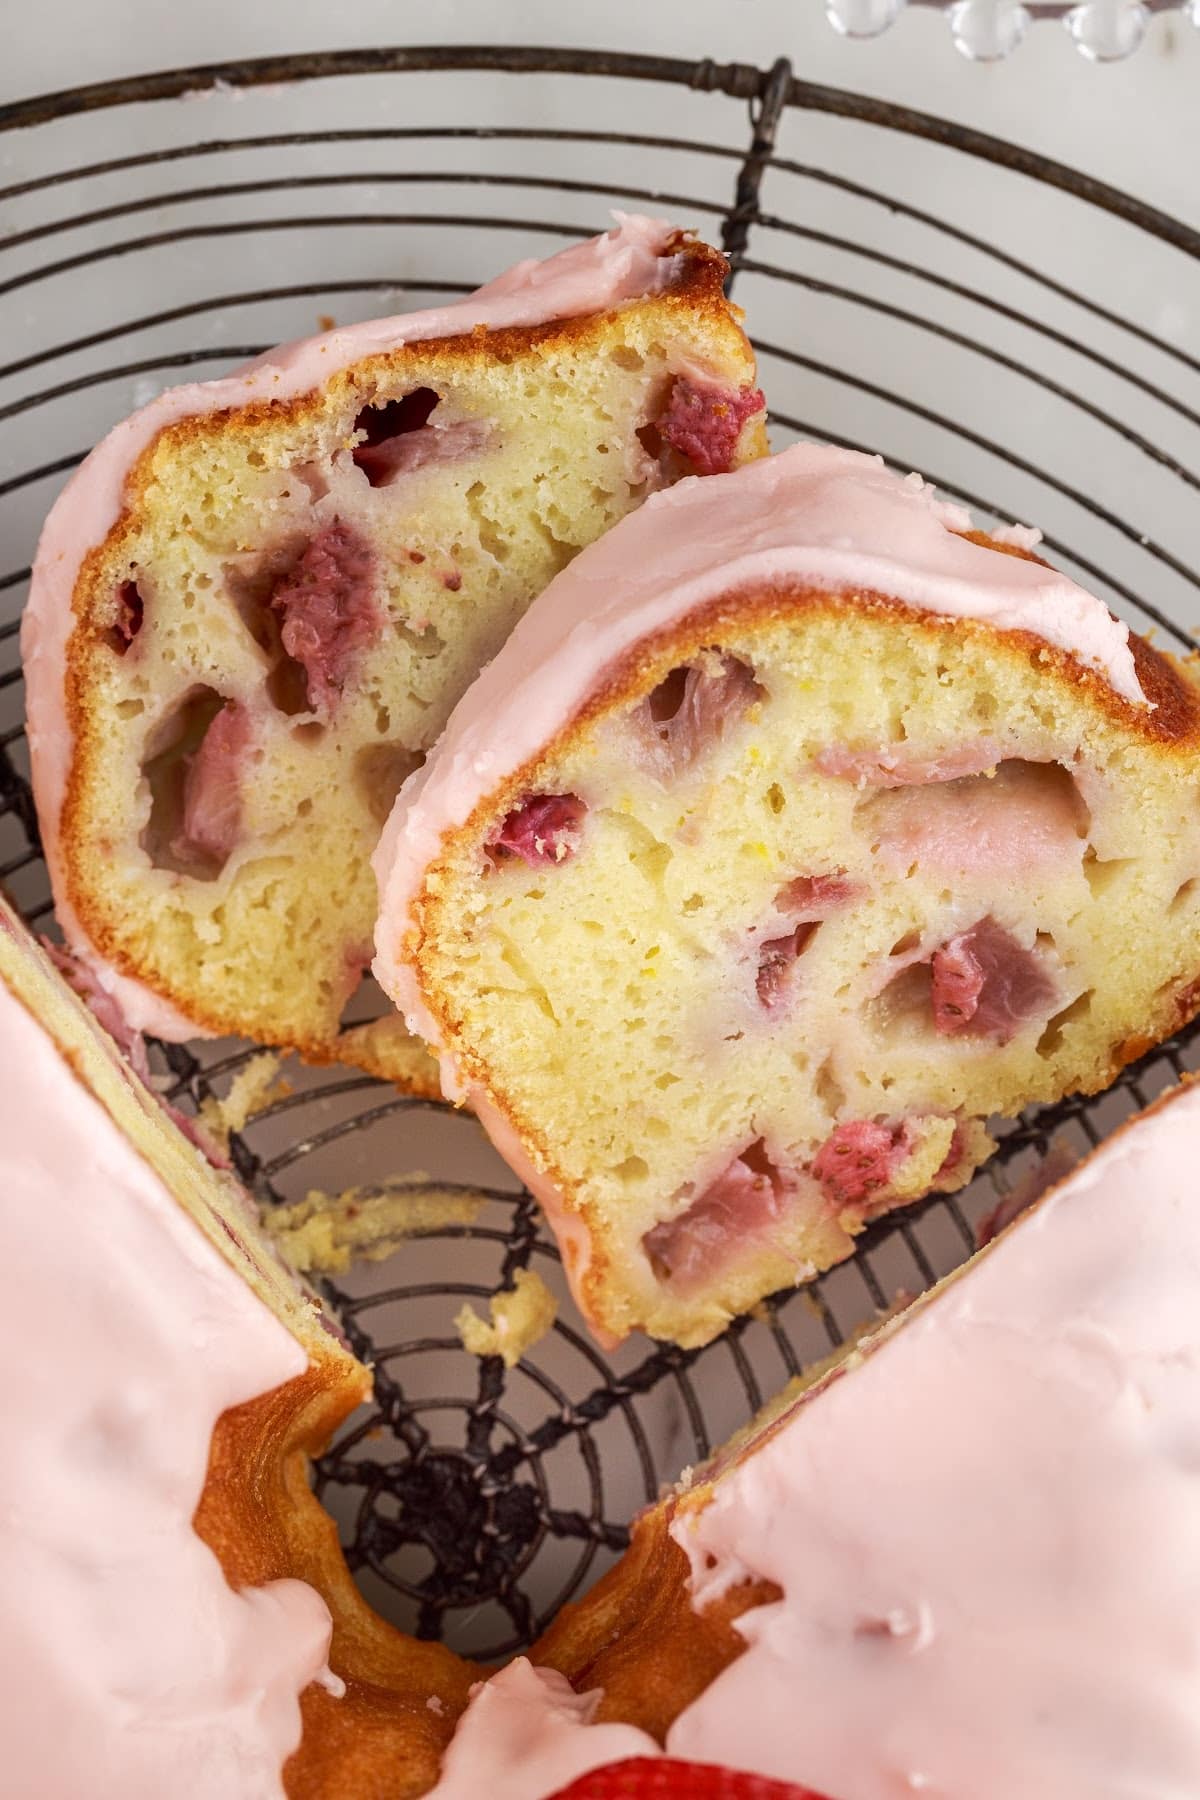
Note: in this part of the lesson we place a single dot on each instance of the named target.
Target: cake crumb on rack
(251, 1091)
(385, 1048)
(323, 1233)
(521, 1317)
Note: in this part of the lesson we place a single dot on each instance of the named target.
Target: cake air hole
(384, 422)
(130, 614)
(1051, 1040)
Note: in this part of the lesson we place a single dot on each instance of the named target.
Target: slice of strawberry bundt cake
(255, 604)
(965, 1562)
(798, 830)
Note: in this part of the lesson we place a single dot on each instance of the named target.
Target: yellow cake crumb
(385, 1048)
(323, 1232)
(251, 1091)
(521, 1317)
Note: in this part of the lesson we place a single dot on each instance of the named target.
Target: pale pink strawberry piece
(544, 828)
(777, 957)
(743, 1202)
(399, 438)
(901, 767)
(691, 710)
(1024, 817)
(329, 613)
(809, 899)
(704, 422)
(986, 985)
(212, 792)
(666, 1778)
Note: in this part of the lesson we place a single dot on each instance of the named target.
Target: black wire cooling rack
(1008, 325)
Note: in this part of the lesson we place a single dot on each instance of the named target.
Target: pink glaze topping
(127, 1662)
(986, 1534)
(525, 1734)
(829, 519)
(624, 264)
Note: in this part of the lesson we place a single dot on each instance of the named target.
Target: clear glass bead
(988, 30)
(1107, 30)
(863, 18)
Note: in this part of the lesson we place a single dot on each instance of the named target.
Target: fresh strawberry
(663, 1778)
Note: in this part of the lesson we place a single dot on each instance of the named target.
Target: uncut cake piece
(176, 1615)
(798, 830)
(255, 604)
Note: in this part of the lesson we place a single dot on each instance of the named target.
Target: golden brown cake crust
(695, 296)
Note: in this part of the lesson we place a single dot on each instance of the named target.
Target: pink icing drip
(603, 272)
(526, 1734)
(131, 1664)
(823, 518)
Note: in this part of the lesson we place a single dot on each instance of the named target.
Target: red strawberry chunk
(328, 609)
(704, 422)
(544, 828)
(857, 1159)
(665, 1778)
(986, 985)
